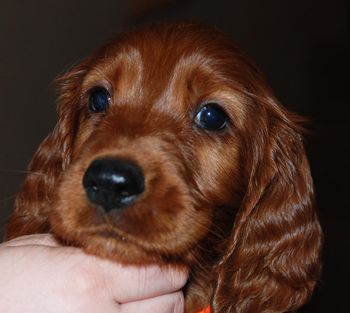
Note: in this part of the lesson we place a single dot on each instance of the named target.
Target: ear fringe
(53, 155)
(273, 261)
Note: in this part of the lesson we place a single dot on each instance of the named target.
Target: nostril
(113, 183)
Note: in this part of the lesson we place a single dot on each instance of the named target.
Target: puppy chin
(76, 222)
(108, 242)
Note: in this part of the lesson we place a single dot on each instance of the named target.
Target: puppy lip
(112, 234)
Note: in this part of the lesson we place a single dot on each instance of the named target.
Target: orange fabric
(206, 310)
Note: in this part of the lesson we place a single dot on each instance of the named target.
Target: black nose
(113, 183)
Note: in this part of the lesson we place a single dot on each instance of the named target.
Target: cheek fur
(218, 173)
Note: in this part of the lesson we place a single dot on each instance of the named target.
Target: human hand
(38, 275)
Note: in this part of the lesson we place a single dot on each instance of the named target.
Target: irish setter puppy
(170, 148)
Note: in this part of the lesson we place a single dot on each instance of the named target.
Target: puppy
(170, 148)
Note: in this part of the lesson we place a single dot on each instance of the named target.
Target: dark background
(302, 46)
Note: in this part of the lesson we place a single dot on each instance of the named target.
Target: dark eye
(99, 100)
(211, 117)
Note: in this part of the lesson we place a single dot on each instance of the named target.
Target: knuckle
(177, 278)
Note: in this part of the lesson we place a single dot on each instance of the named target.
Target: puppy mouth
(134, 235)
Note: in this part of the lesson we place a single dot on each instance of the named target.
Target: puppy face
(169, 108)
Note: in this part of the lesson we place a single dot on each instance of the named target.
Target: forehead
(163, 64)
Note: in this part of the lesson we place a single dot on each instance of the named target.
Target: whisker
(10, 171)
(11, 197)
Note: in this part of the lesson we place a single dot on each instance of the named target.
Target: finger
(170, 303)
(131, 283)
(36, 239)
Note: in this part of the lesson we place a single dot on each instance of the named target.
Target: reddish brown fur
(234, 206)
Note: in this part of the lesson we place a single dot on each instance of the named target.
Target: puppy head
(213, 171)
(163, 104)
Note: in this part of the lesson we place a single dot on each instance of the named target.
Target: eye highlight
(211, 117)
(99, 100)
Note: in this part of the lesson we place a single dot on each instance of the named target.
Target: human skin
(39, 275)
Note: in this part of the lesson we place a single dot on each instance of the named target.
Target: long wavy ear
(51, 158)
(273, 259)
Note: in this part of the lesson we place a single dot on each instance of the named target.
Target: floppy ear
(51, 158)
(273, 259)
